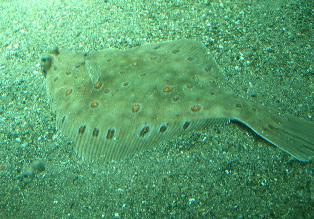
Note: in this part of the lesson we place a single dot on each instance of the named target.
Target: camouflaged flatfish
(114, 103)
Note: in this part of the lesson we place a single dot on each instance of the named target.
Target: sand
(265, 51)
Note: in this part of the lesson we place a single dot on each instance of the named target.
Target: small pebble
(253, 93)
(38, 166)
(264, 182)
(237, 68)
(269, 49)
(192, 201)
(116, 215)
(27, 174)
(24, 145)
(26, 177)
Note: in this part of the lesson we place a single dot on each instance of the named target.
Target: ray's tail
(291, 134)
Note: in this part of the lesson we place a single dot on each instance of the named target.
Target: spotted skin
(114, 103)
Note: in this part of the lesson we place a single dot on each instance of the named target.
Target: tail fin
(291, 134)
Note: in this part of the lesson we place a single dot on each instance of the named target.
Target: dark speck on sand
(265, 51)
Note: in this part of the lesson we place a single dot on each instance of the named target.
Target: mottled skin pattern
(113, 103)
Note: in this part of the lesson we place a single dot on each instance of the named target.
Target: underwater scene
(156, 109)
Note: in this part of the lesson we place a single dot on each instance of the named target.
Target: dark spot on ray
(175, 51)
(208, 68)
(157, 47)
(95, 132)
(162, 128)
(63, 119)
(190, 59)
(167, 89)
(186, 125)
(175, 98)
(94, 104)
(110, 134)
(82, 129)
(144, 131)
(68, 92)
(136, 107)
(98, 85)
(196, 108)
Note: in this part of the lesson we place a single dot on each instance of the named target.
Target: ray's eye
(45, 64)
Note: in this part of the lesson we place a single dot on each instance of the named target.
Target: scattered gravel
(265, 51)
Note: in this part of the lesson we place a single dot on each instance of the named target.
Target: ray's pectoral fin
(291, 134)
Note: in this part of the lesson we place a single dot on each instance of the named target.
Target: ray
(114, 103)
